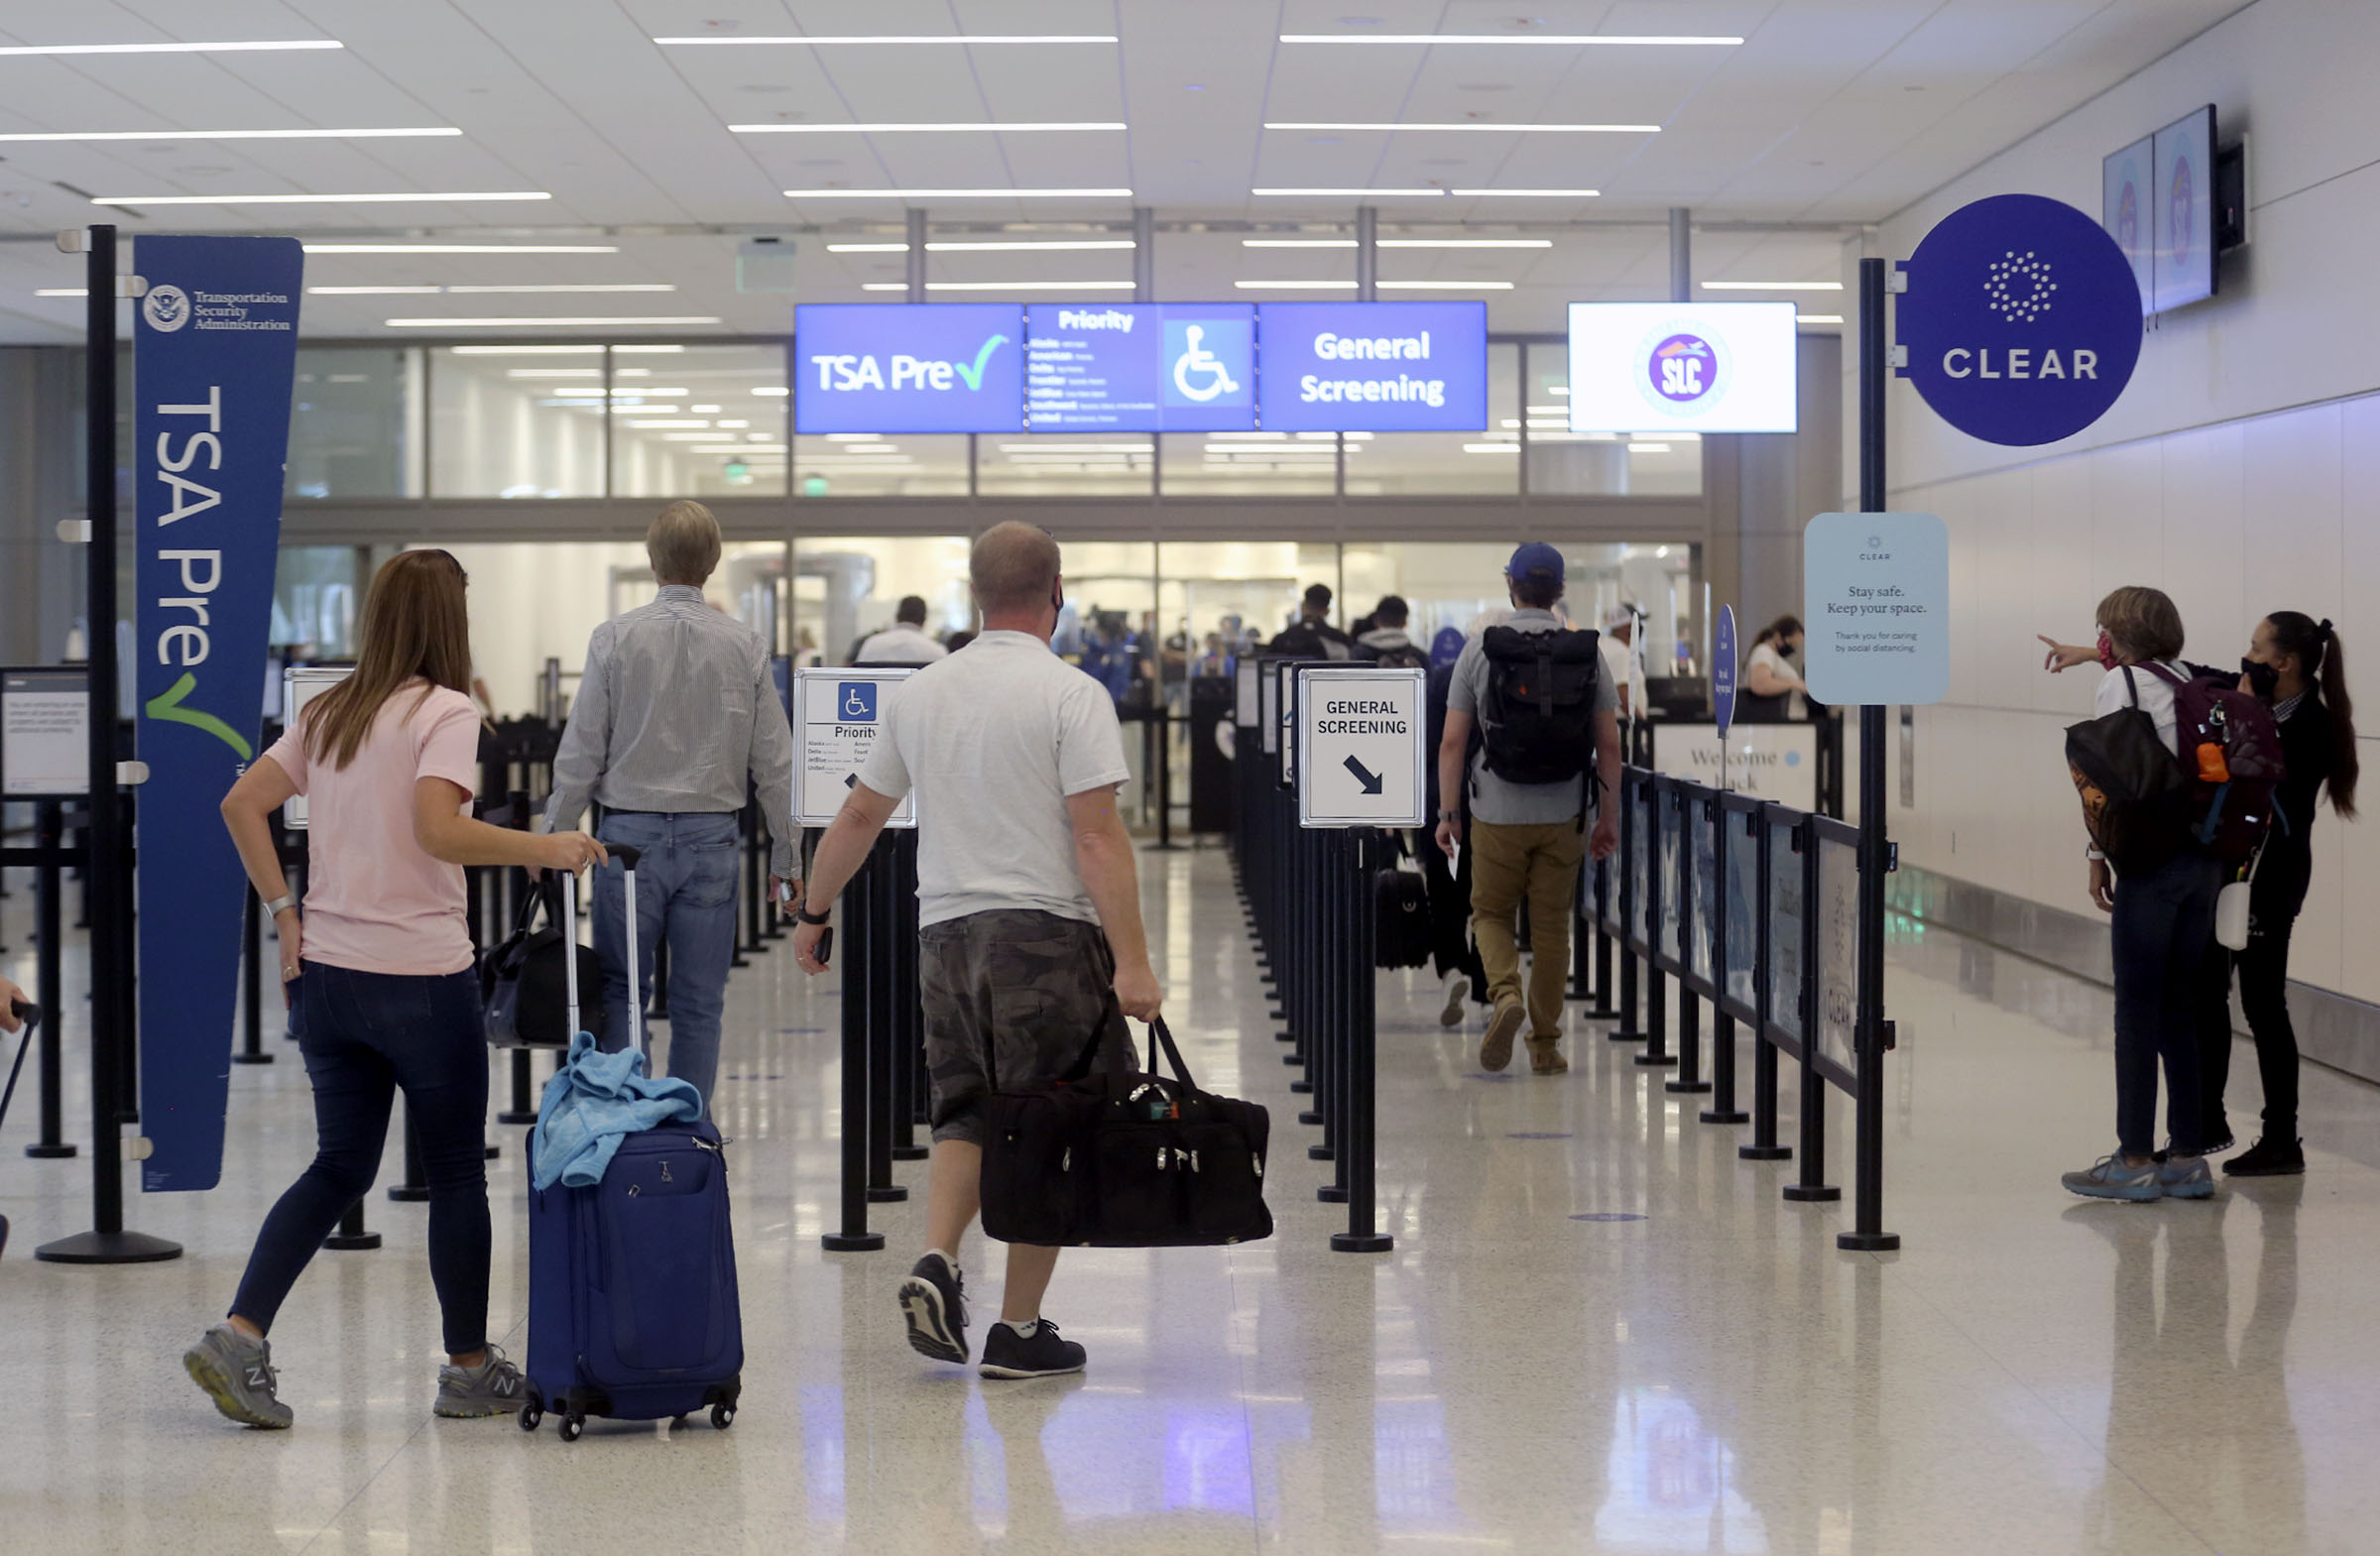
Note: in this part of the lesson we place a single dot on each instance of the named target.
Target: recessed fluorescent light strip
(374, 291)
(1399, 243)
(540, 323)
(1385, 285)
(1477, 127)
(958, 195)
(1003, 286)
(890, 40)
(392, 199)
(1552, 41)
(921, 129)
(1426, 194)
(1770, 285)
(228, 135)
(1053, 246)
(462, 248)
(272, 46)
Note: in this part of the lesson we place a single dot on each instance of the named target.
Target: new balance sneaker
(933, 1303)
(1457, 986)
(1039, 1354)
(492, 1388)
(237, 1374)
(2112, 1177)
(1495, 1049)
(2184, 1177)
(2269, 1159)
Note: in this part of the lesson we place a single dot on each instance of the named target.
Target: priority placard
(1362, 738)
(838, 716)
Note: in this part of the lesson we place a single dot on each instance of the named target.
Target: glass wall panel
(1450, 583)
(1226, 596)
(864, 464)
(699, 421)
(1563, 463)
(317, 593)
(1254, 464)
(1418, 465)
(517, 421)
(355, 422)
(1065, 464)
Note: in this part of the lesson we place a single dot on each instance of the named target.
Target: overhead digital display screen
(2125, 200)
(1148, 367)
(2182, 212)
(1687, 367)
(1371, 367)
(908, 367)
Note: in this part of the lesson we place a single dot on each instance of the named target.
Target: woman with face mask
(2296, 665)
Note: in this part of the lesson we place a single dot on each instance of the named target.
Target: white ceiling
(1831, 113)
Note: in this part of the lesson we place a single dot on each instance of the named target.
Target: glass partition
(1563, 463)
(1065, 464)
(1255, 464)
(517, 421)
(317, 593)
(864, 464)
(355, 422)
(698, 422)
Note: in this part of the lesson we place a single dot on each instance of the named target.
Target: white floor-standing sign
(1362, 738)
(838, 716)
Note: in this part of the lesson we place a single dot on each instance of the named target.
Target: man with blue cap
(1547, 717)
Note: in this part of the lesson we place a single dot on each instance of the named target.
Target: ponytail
(2319, 651)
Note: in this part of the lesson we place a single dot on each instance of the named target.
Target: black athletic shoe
(2269, 1159)
(933, 1303)
(1042, 1354)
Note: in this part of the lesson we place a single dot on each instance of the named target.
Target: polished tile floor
(1599, 1331)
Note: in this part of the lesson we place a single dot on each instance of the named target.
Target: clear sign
(1875, 603)
(838, 716)
(45, 734)
(903, 367)
(1360, 739)
(1689, 367)
(1148, 367)
(1373, 367)
(299, 685)
(2022, 320)
(1722, 668)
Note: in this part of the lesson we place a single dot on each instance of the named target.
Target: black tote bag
(524, 982)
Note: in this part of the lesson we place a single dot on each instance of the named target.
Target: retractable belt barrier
(883, 1036)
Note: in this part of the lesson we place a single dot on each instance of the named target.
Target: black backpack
(524, 981)
(1405, 656)
(2136, 795)
(1401, 916)
(1537, 720)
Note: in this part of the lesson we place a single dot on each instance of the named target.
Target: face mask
(2263, 680)
(2106, 651)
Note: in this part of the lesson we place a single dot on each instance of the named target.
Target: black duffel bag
(1121, 1158)
(524, 982)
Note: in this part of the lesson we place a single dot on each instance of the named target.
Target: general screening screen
(1317, 388)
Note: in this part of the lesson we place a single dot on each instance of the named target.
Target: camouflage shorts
(1011, 996)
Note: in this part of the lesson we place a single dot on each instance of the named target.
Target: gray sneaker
(2186, 1177)
(2112, 1178)
(492, 1388)
(237, 1374)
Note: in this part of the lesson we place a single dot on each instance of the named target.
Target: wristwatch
(801, 910)
(273, 909)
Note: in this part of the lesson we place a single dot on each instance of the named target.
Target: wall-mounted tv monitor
(1371, 367)
(908, 367)
(2184, 270)
(2126, 198)
(1687, 367)
(1141, 367)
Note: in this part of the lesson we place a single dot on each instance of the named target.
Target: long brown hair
(2324, 661)
(414, 626)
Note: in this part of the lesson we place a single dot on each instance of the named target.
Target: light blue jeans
(685, 890)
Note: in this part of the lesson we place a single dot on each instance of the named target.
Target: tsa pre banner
(213, 356)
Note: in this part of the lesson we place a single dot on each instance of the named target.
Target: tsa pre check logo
(166, 308)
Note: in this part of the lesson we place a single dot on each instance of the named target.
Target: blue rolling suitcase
(633, 1311)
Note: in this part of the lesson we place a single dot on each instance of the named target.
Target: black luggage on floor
(1124, 1158)
(1400, 915)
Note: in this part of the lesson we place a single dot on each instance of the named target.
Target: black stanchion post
(1872, 1035)
(351, 1236)
(1690, 1080)
(415, 1186)
(1765, 1147)
(1722, 1108)
(1161, 721)
(881, 1024)
(251, 984)
(656, 1009)
(909, 1015)
(755, 885)
(105, 874)
(1656, 1053)
(1333, 982)
(854, 1236)
(1358, 1169)
(48, 982)
(1630, 824)
(1812, 1186)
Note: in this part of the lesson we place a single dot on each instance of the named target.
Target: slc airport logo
(166, 308)
(1680, 373)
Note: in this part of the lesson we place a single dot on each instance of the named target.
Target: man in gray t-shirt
(1528, 840)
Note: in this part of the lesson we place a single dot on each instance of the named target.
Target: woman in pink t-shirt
(387, 761)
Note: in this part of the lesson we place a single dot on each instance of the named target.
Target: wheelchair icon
(1198, 359)
(857, 701)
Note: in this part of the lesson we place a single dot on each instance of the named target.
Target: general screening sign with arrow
(1361, 740)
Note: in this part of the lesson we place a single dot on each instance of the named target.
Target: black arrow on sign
(850, 780)
(1364, 775)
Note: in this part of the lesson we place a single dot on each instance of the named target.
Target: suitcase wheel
(572, 1426)
(530, 1416)
(723, 1416)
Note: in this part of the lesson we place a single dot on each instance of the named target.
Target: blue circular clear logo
(2022, 320)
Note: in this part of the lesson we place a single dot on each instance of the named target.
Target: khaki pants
(1539, 865)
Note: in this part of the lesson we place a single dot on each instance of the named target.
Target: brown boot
(1545, 1057)
(1495, 1048)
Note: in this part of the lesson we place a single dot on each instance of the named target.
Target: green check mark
(975, 375)
(168, 706)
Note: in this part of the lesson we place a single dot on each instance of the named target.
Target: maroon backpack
(2231, 753)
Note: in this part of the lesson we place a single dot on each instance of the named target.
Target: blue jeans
(2163, 939)
(685, 890)
(364, 1035)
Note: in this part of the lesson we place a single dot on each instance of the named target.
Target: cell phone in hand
(825, 946)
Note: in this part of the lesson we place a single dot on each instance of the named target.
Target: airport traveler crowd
(1773, 691)
(380, 972)
(1386, 643)
(1311, 635)
(1549, 745)
(1028, 907)
(1621, 663)
(2296, 666)
(677, 722)
(905, 642)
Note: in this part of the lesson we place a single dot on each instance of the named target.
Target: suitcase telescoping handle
(628, 856)
(28, 1017)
